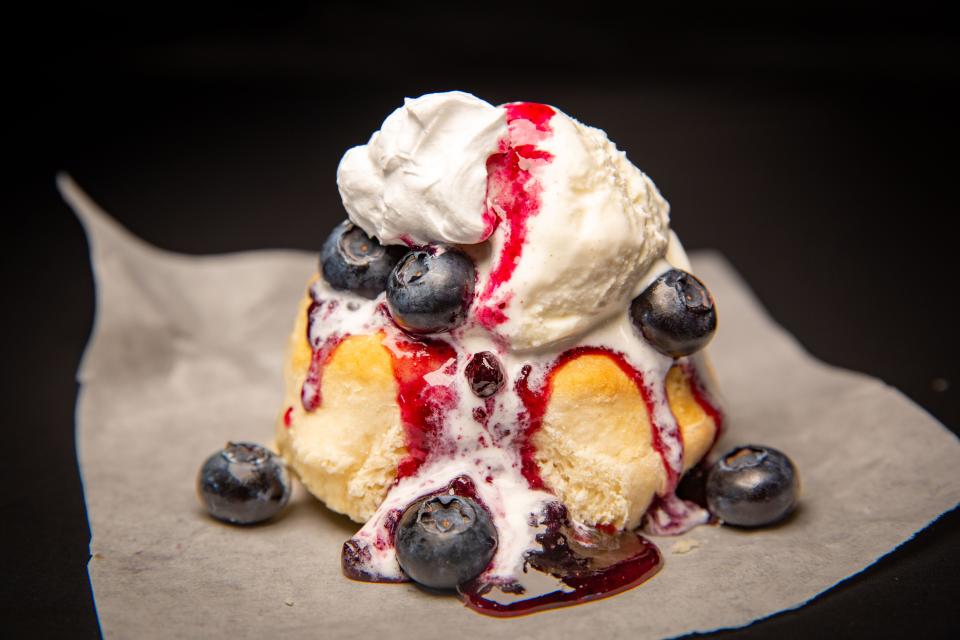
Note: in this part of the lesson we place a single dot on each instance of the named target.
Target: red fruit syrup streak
(423, 406)
(702, 397)
(512, 190)
(675, 509)
(311, 396)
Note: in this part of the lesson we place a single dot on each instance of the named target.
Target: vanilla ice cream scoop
(598, 227)
(572, 225)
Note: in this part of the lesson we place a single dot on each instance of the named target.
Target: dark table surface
(815, 149)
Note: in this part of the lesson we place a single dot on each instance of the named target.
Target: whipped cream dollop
(563, 229)
(422, 178)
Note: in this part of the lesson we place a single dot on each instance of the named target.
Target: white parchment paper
(186, 354)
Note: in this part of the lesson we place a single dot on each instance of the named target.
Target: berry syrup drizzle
(704, 397)
(423, 406)
(514, 196)
(322, 346)
(481, 447)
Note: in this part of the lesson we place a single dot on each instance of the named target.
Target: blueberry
(445, 540)
(429, 291)
(693, 485)
(243, 483)
(353, 261)
(485, 374)
(752, 486)
(676, 314)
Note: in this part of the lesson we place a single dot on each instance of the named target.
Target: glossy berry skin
(752, 486)
(429, 291)
(243, 483)
(485, 374)
(676, 314)
(693, 485)
(445, 540)
(353, 261)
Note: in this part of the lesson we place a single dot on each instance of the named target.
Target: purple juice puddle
(570, 567)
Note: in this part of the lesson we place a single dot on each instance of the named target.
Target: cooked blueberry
(353, 261)
(445, 540)
(430, 291)
(675, 314)
(243, 483)
(485, 374)
(752, 486)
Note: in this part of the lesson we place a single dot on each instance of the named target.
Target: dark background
(815, 147)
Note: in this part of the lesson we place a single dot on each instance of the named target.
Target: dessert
(498, 369)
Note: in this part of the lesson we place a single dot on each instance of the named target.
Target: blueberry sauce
(310, 395)
(530, 420)
(422, 405)
(570, 566)
(703, 397)
(322, 345)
